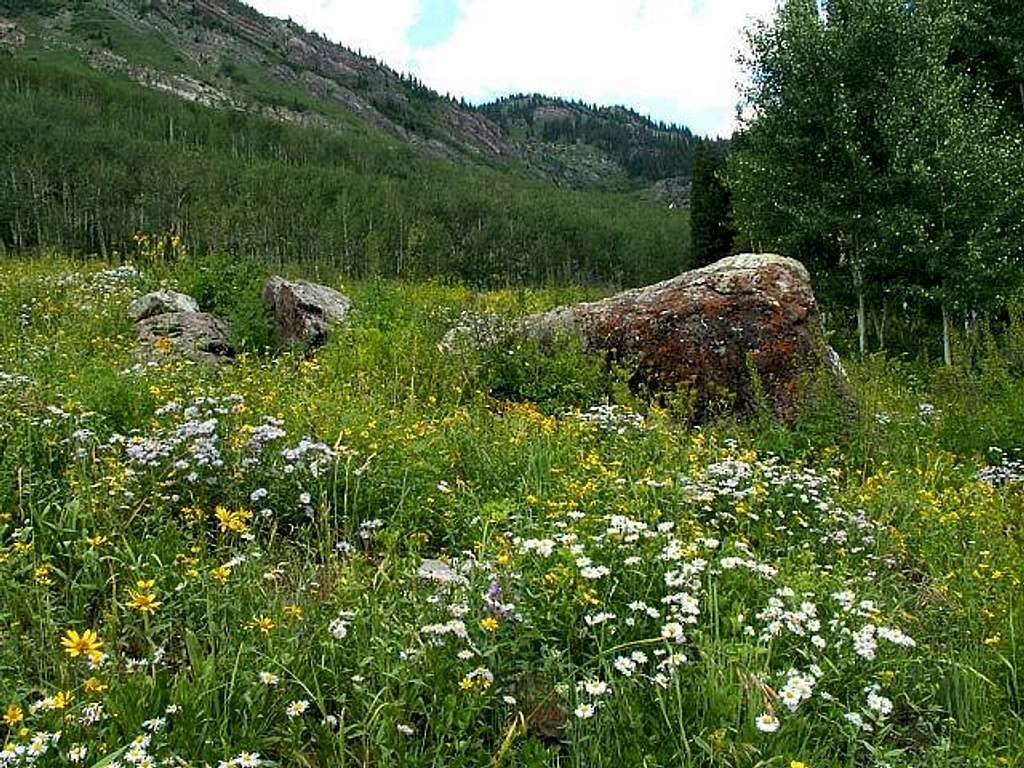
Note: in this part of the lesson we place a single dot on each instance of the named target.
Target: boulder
(304, 311)
(161, 303)
(197, 335)
(744, 328)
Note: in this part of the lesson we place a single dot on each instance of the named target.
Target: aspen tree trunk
(862, 320)
(880, 320)
(947, 353)
(862, 324)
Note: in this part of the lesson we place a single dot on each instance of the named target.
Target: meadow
(386, 555)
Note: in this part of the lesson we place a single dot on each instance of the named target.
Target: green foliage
(110, 523)
(231, 287)
(556, 374)
(711, 228)
(868, 157)
(989, 45)
(126, 158)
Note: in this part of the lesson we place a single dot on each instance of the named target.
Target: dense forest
(90, 160)
(646, 149)
(883, 146)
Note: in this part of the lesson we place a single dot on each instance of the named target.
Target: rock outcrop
(302, 311)
(199, 336)
(742, 330)
(11, 36)
(161, 303)
(170, 322)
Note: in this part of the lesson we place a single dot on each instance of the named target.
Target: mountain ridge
(225, 54)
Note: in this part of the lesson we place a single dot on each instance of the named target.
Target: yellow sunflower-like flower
(263, 624)
(13, 715)
(87, 643)
(144, 602)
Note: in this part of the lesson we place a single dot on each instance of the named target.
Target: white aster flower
(766, 722)
(584, 711)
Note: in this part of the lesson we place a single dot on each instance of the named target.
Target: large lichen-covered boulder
(197, 335)
(161, 303)
(304, 311)
(744, 328)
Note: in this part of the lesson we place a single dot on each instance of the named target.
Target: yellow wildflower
(489, 624)
(87, 643)
(236, 521)
(42, 574)
(293, 612)
(262, 623)
(143, 601)
(220, 573)
(95, 685)
(13, 715)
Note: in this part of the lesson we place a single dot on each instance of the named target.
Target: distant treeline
(88, 160)
(647, 150)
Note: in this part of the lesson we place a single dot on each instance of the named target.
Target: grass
(612, 587)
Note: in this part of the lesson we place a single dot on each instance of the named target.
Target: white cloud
(674, 59)
(377, 28)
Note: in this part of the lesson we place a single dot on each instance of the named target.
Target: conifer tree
(711, 226)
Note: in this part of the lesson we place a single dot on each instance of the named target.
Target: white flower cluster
(613, 418)
(543, 547)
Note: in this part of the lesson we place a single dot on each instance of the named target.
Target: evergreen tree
(711, 226)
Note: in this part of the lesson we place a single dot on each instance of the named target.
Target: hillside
(200, 119)
(224, 54)
(586, 135)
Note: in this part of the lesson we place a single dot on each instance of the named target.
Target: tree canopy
(872, 152)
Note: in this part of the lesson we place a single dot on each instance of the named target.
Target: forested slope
(90, 159)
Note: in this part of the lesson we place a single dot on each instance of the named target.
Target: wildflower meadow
(383, 554)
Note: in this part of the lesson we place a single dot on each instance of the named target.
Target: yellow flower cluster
(142, 598)
(234, 521)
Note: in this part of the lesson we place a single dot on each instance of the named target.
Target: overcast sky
(671, 59)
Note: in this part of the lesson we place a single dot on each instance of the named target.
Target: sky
(674, 60)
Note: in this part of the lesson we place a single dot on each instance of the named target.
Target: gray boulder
(161, 303)
(304, 311)
(743, 330)
(199, 336)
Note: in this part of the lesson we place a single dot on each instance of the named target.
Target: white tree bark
(947, 353)
(862, 324)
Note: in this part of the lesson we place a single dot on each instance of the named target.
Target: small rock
(304, 311)
(197, 335)
(161, 303)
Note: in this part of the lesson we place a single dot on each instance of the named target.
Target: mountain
(607, 136)
(247, 136)
(224, 54)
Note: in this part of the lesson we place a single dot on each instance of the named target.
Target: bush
(556, 375)
(231, 287)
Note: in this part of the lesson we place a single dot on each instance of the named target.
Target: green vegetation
(90, 160)
(894, 172)
(386, 554)
(645, 149)
(711, 226)
(201, 565)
